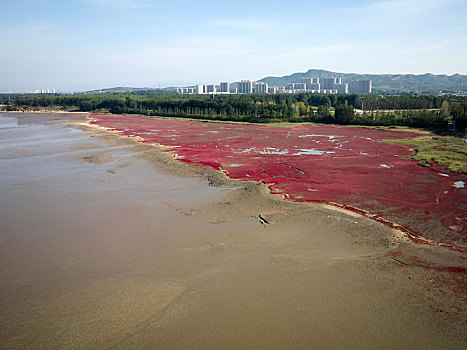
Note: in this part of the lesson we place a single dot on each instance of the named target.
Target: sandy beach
(106, 242)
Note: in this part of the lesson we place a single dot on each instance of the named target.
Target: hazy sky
(84, 44)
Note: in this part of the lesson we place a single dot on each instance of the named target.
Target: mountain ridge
(382, 82)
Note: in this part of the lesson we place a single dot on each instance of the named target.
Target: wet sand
(110, 243)
(353, 168)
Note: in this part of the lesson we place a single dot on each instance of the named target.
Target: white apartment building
(360, 87)
(260, 88)
(245, 87)
(199, 89)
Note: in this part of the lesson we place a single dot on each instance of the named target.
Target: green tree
(459, 113)
(344, 114)
(323, 113)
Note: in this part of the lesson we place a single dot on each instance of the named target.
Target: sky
(76, 45)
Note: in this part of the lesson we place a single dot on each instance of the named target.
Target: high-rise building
(272, 90)
(199, 89)
(311, 83)
(300, 86)
(334, 83)
(260, 88)
(245, 87)
(290, 86)
(360, 87)
(211, 89)
(233, 90)
(225, 87)
(185, 90)
(328, 83)
(314, 87)
(341, 88)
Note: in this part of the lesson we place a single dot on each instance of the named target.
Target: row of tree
(419, 110)
(458, 111)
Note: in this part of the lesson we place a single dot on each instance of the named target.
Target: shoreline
(219, 177)
(216, 177)
(58, 111)
(136, 268)
(411, 234)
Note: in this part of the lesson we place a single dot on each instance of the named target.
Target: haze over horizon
(92, 44)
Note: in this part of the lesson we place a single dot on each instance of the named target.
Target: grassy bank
(448, 151)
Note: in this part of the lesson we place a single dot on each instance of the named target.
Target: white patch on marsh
(459, 184)
(273, 150)
(330, 137)
(311, 151)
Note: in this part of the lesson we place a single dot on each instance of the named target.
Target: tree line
(419, 111)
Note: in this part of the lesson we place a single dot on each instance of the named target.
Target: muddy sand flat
(110, 243)
(343, 166)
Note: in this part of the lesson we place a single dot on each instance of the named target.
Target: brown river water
(104, 244)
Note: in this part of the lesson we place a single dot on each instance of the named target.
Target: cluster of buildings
(223, 88)
(331, 85)
(44, 91)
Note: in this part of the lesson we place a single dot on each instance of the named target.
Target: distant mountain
(383, 82)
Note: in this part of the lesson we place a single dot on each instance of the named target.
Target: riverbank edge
(219, 177)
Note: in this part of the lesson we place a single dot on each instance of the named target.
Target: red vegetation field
(344, 166)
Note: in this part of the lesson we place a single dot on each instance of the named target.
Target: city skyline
(329, 85)
(91, 44)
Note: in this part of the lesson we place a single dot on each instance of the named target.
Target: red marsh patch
(333, 164)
